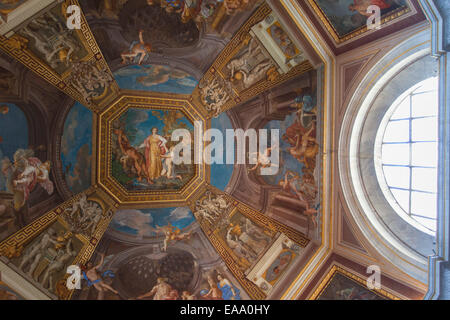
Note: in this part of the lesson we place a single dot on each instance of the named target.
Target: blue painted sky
(143, 121)
(287, 161)
(221, 173)
(146, 221)
(13, 133)
(155, 78)
(76, 147)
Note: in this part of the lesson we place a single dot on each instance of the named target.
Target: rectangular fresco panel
(245, 240)
(343, 285)
(348, 16)
(49, 39)
(299, 175)
(260, 56)
(283, 40)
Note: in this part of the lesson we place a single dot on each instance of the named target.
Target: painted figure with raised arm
(93, 278)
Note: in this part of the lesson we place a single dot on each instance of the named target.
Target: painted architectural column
(438, 13)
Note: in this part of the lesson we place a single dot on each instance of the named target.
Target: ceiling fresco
(221, 173)
(172, 30)
(19, 191)
(194, 32)
(143, 156)
(343, 23)
(347, 17)
(155, 78)
(150, 223)
(76, 148)
(340, 284)
(219, 231)
(13, 133)
(138, 155)
(250, 64)
(68, 59)
(88, 169)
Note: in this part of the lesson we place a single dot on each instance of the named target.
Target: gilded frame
(16, 49)
(335, 269)
(104, 154)
(233, 47)
(256, 217)
(341, 39)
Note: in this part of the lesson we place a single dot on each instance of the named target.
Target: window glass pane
(424, 129)
(423, 204)
(397, 131)
(403, 110)
(427, 223)
(424, 179)
(397, 176)
(405, 152)
(424, 104)
(402, 198)
(428, 85)
(395, 154)
(424, 154)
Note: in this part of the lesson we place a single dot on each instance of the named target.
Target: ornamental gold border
(335, 269)
(258, 218)
(18, 241)
(250, 288)
(341, 39)
(104, 151)
(31, 231)
(42, 69)
(263, 220)
(236, 43)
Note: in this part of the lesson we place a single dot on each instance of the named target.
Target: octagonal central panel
(136, 150)
(142, 152)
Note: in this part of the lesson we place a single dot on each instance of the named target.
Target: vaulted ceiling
(95, 108)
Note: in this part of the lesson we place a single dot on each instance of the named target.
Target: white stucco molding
(353, 172)
(20, 285)
(443, 206)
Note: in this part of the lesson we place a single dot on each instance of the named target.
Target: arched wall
(361, 194)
